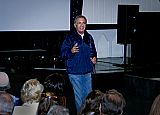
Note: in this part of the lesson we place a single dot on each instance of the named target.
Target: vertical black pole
(75, 10)
(125, 56)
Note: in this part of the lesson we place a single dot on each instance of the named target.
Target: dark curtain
(76, 9)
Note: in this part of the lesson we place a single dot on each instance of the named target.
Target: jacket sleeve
(93, 48)
(66, 48)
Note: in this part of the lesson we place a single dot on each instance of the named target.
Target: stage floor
(109, 65)
(103, 65)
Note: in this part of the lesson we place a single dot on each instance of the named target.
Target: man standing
(78, 50)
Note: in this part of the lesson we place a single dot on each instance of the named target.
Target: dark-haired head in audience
(58, 110)
(53, 93)
(155, 108)
(112, 103)
(92, 103)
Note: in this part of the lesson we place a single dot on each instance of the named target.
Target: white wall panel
(105, 11)
(106, 43)
(44, 15)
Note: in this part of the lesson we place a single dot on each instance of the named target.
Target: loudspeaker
(127, 15)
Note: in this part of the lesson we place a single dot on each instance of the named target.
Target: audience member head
(4, 81)
(6, 103)
(112, 103)
(31, 91)
(55, 83)
(92, 103)
(155, 108)
(53, 93)
(58, 110)
(47, 100)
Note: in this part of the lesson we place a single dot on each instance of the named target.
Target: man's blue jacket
(80, 62)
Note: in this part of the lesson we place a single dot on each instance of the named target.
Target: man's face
(80, 25)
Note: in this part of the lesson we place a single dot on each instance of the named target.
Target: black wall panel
(145, 47)
(127, 15)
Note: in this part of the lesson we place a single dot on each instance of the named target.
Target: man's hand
(94, 60)
(75, 48)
